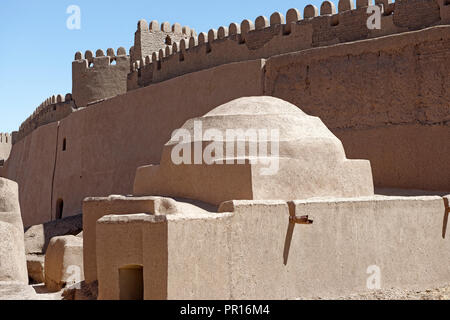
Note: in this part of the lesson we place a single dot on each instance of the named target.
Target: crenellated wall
(100, 77)
(95, 78)
(265, 37)
(51, 110)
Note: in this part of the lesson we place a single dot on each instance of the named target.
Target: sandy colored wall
(410, 156)
(31, 164)
(258, 254)
(154, 242)
(93, 210)
(132, 245)
(331, 256)
(106, 142)
(387, 99)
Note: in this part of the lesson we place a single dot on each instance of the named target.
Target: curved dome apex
(259, 105)
(259, 113)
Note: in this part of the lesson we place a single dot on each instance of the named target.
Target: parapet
(53, 109)
(281, 34)
(99, 77)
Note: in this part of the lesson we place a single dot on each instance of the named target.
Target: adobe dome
(296, 130)
(303, 159)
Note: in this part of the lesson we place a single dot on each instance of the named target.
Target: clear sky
(37, 48)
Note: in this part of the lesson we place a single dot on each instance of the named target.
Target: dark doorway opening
(131, 282)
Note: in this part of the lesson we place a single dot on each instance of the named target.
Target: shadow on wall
(68, 226)
(408, 192)
(293, 220)
(447, 211)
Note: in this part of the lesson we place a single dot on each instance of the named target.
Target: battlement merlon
(50, 104)
(53, 100)
(151, 37)
(100, 60)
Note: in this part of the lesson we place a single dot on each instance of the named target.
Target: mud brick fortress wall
(384, 93)
(53, 109)
(265, 37)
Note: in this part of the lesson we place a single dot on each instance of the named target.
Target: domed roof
(254, 148)
(293, 126)
(255, 106)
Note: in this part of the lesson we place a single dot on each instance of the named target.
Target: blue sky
(37, 48)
